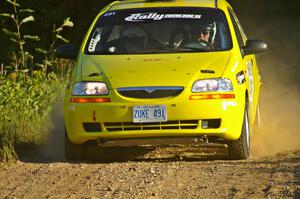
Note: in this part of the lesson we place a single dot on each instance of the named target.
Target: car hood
(153, 70)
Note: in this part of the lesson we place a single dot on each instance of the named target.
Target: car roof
(127, 4)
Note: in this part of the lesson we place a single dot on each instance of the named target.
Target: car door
(252, 73)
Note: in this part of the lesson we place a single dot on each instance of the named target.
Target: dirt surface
(156, 172)
(172, 172)
(273, 170)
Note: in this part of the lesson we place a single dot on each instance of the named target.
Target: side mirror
(254, 46)
(67, 51)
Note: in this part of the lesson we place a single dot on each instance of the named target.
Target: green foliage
(23, 42)
(19, 17)
(25, 103)
(27, 94)
(49, 55)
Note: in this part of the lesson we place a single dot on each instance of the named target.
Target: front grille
(129, 126)
(150, 92)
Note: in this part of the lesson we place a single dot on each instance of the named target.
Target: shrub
(25, 103)
(26, 94)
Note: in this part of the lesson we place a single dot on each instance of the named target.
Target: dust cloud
(53, 149)
(279, 129)
(277, 23)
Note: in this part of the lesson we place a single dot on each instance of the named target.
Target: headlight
(207, 85)
(90, 88)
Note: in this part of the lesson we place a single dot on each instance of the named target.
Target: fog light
(204, 124)
(211, 123)
(92, 127)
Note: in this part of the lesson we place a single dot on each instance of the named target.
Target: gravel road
(184, 172)
(172, 172)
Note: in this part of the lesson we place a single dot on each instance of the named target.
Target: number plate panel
(149, 113)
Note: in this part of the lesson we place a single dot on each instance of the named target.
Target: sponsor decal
(227, 104)
(137, 17)
(241, 77)
(208, 71)
(250, 76)
(108, 14)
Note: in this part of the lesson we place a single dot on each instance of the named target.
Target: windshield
(160, 30)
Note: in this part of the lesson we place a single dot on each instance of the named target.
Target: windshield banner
(136, 17)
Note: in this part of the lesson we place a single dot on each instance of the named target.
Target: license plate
(154, 113)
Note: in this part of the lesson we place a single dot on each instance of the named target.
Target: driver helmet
(207, 27)
(205, 32)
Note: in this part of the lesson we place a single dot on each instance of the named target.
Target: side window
(236, 29)
(239, 26)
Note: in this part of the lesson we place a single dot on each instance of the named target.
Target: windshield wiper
(183, 48)
(194, 49)
(104, 52)
(161, 49)
(165, 49)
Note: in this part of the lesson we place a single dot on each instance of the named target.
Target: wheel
(240, 149)
(73, 151)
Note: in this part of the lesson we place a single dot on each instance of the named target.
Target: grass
(25, 103)
(30, 80)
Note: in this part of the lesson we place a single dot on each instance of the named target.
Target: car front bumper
(114, 120)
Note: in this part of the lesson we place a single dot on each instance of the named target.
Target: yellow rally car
(163, 70)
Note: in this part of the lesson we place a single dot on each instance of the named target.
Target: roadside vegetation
(30, 77)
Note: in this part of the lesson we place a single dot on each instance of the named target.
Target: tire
(73, 151)
(240, 149)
